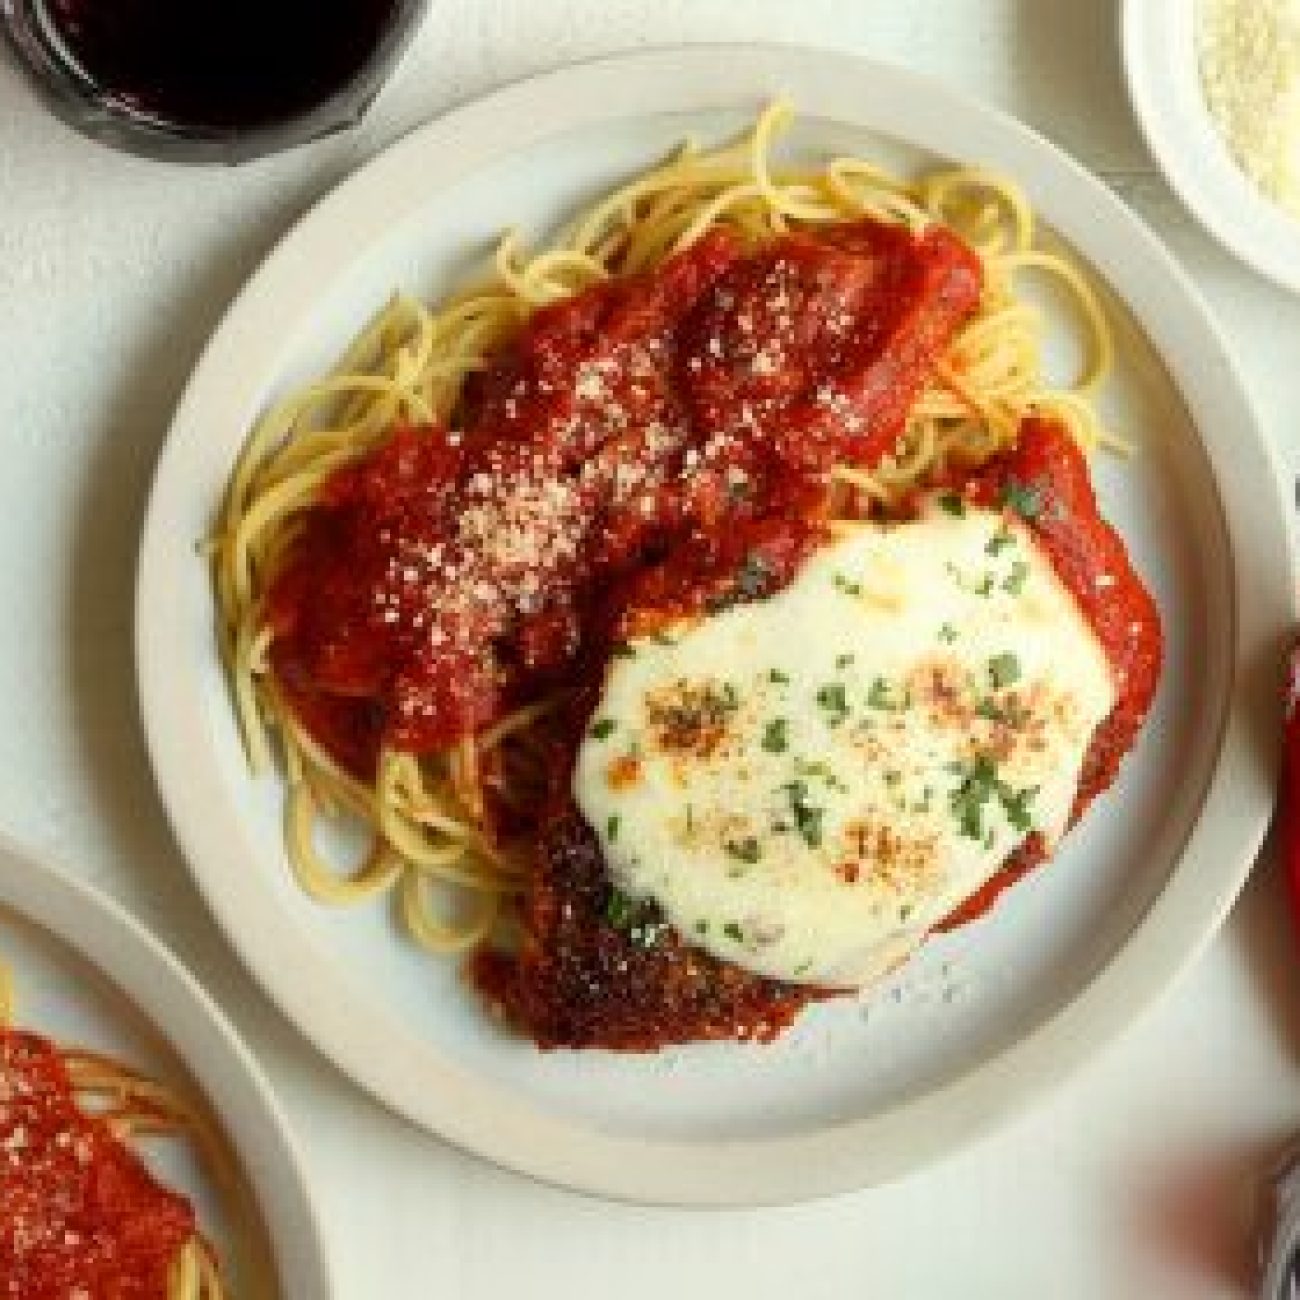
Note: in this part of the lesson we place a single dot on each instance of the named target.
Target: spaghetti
(433, 838)
(79, 1212)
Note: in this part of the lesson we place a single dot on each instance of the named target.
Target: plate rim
(1143, 29)
(142, 970)
(1189, 908)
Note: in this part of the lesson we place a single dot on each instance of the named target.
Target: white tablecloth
(113, 271)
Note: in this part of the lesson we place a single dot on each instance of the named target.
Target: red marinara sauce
(80, 1215)
(1044, 478)
(660, 424)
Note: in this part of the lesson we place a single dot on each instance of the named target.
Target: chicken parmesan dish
(702, 611)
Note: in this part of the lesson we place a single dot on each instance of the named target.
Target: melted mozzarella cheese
(808, 784)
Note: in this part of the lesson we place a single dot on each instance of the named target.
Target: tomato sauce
(641, 438)
(80, 1215)
(1045, 479)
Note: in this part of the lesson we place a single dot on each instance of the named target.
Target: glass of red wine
(208, 80)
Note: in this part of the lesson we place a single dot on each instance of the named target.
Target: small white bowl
(1159, 38)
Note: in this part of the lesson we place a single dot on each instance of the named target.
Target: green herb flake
(603, 729)
(778, 678)
(623, 650)
(733, 932)
(611, 829)
(807, 817)
(947, 634)
(1004, 670)
(952, 504)
(834, 700)
(978, 785)
(881, 696)
(1000, 540)
(1014, 582)
(842, 662)
(746, 850)
(1008, 712)
(847, 585)
(701, 927)
(776, 738)
(1025, 499)
(621, 911)
(1016, 805)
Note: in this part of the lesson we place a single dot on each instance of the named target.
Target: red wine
(221, 63)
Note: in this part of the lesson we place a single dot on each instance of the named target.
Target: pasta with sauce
(448, 827)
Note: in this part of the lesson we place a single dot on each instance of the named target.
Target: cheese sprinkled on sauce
(1249, 53)
(807, 785)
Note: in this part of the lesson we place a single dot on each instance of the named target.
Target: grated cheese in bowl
(1249, 55)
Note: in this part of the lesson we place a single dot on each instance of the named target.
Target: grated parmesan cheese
(1249, 55)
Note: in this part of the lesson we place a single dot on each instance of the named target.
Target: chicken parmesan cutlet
(769, 802)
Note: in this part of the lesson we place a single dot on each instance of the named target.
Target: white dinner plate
(86, 974)
(986, 1018)
(1160, 63)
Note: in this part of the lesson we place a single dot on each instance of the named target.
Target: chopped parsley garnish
(953, 504)
(834, 699)
(807, 818)
(776, 738)
(730, 697)
(733, 932)
(621, 911)
(984, 587)
(1025, 499)
(980, 784)
(777, 677)
(1008, 712)
(1000, 540)
(1004, 670)
(905, 911)
(611, 829)
(634, 917)
(623, 650)
(947, 634)
(803, 968)
(881, 695)
(1014, 583)
(662, 638)
(603, 729)
(746, 850)
(968, 801)
(842, 662)
(1016, 803)
(847, 585)
(701, 927)
(893, 777)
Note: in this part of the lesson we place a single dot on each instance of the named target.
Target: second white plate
(86, 974)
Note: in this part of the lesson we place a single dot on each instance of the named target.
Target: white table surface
(1130, 1182)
